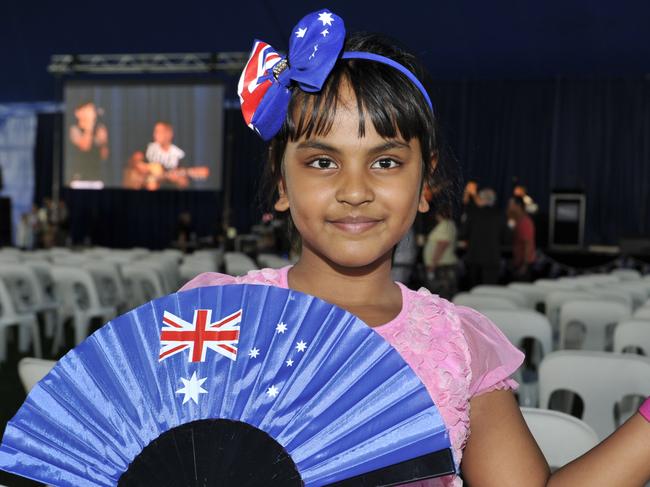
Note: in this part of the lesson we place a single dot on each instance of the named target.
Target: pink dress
(456, 352)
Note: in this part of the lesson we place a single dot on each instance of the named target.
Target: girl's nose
(354, 188)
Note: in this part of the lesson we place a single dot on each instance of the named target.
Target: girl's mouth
(355, 224)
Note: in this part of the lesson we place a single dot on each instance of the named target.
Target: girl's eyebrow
(389, 144)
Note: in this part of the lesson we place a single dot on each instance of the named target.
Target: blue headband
(315, 46)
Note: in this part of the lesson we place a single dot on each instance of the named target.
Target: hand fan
(241, 385)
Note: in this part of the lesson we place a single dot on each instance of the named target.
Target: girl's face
(351, 199)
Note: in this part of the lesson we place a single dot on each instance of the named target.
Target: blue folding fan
(242, 385)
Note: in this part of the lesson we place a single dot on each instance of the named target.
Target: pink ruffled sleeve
(268, 277)
(493, 358)
(209, 279)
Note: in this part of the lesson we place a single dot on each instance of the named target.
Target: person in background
(439, 257)
(404, 257)
(483, 232)
(25, 237)
(523, 241)
(185, 235)
(522, 192)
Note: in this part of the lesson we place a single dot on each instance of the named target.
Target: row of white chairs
(95, 285)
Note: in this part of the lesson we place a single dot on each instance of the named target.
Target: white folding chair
(32, 370)
(238, 263)
(510, 294)
(518, 326)
(610, 293)
(589, 324)
(632, 335)
(110, 284)
(642, 313)
(80, 302)
(556, 284)
(143, 284)
(168, 267)
(601, 279)
(637, 290)
(45, 293)
(555, 300)
(483, 302)
(601, 379)
(273, 261)
(561, 437)
(626, 274)
(196, 263)
(536, 295)
(25, 321)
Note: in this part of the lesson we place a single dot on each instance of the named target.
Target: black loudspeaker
(567, 220)
(5, 222)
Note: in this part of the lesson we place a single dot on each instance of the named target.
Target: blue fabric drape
(17, 138)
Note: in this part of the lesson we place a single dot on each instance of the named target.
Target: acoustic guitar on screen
(140, 174)
(179, 177)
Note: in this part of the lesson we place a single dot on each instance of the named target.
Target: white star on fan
(289, 363)
(325, 33)
(314, 53)
(281, 328)
(254, 352)
(301, 346)
(192, 388)
(300, 33)
(326, 18)
(272, 391)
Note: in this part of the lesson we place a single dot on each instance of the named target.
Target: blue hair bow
(314, 48)
(263, 88)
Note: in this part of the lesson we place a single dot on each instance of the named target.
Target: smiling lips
(355, 224)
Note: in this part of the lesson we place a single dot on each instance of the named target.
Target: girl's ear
(282, 204)
(427, 192)
(423, 205)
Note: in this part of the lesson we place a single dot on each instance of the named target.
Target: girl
(353, 142)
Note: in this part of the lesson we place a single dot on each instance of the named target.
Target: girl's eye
(323, 164)
(385, 164)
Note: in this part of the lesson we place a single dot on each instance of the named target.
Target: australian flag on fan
(203, 335)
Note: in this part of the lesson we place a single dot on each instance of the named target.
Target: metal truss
(193, 62)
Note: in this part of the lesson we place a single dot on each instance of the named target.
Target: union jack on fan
(221, 336)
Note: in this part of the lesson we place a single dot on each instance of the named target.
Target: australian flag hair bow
(263, 88)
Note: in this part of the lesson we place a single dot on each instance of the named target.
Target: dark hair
(519, 201)
(391, 102)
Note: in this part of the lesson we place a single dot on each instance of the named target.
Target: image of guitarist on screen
(159, 167)
(164, 159)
